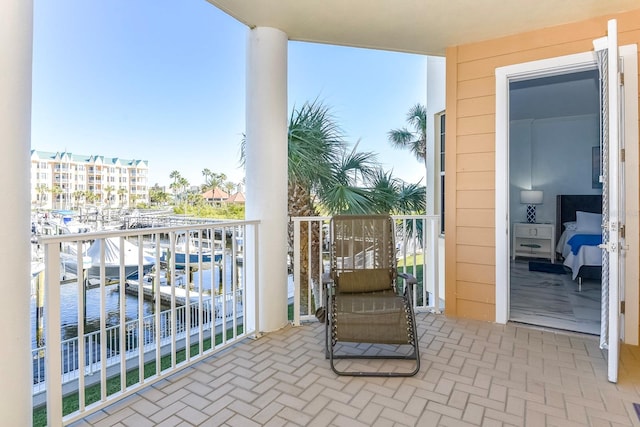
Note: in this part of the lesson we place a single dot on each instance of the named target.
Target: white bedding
(587, 255)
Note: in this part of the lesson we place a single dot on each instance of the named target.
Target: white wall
(552, 155)
(436, 88)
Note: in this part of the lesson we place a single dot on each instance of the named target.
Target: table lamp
(531, 198)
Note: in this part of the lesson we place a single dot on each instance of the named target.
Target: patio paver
(473, 374)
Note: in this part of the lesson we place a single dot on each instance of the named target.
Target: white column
(266, 168)
(16, 35)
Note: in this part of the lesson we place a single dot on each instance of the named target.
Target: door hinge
(622, 154)
(621, 79)
(621, 307)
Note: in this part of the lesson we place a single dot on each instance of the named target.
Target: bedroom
(553, 150)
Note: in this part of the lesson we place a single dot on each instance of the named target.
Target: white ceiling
(565, 95)
(415, 26)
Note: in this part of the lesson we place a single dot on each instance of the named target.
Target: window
(440, 141)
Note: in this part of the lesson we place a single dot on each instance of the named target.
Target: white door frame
(504, 76)
(547, 67)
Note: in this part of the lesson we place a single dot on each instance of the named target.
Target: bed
(578, 234)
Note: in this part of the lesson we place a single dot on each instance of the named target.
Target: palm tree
(77, 195)
(109, 189)
(414, 140)
(56, 191)
(175, 175)
(121, 195)
(41, 190)
(325, 175)
(90, 196)
(229, 186)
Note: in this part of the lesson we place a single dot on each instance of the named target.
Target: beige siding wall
(470, 147)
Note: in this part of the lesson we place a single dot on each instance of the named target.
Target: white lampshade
(531, 197)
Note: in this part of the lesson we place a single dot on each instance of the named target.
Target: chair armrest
(408, 278)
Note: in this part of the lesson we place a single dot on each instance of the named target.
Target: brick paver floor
(473, 374)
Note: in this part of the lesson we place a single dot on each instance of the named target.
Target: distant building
(218, 196)
(64, 180)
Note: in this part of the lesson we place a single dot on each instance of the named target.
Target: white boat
(112, 254)
(64, 222)
(197, 248)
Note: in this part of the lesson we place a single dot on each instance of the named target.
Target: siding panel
(476, 236)
(476, 162)
(476, 106)
(478, 87)
(479, 292)
(481, 180)
(476, 255)
(476, 217)
(477, 143)
(476, 273)
(477, 124)
(483, 199)
(476, 310)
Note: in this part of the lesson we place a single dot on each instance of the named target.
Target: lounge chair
(363, 301)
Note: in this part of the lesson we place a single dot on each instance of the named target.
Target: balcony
(473, 373)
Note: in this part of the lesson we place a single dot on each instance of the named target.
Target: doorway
(554, 138)
(576, 63)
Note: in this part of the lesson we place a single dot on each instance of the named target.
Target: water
(69, 303)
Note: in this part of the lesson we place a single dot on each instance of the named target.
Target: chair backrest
(363, 252)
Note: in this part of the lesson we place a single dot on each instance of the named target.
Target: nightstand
(533, 240)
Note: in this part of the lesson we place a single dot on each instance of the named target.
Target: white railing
(417, 242)
(70, 361)
(171, 337)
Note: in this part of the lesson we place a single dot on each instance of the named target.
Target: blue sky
(164, 80)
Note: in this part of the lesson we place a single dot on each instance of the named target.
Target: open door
(612, 177)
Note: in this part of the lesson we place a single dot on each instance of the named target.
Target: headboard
(567, 205)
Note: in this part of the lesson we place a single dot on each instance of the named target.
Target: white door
(613, 187)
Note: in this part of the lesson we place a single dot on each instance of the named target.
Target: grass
(419, 259)
(71, 403)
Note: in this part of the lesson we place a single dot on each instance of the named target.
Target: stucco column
(16, 35)
(266, 168)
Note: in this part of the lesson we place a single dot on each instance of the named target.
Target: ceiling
(415, 26)
(564, 95)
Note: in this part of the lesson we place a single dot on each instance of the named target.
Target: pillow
(371, 280)
(570, 226)
(589, 223)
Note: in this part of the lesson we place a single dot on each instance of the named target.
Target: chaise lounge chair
(363, 301)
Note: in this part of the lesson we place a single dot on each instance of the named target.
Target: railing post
(53, 367)
(296, 273)
(434, 263)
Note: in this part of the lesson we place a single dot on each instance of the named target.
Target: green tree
(157, 195)
(206, 172)
(122, 193)
(175, 175)
(229, 187)
(41, 191)
(78, 195)
(414, 139)
(324, 175)
(56, 191)
(109, 189)
(90, 196)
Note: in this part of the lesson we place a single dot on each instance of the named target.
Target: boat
(198, 248)
(64, 222)
(112, 251)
